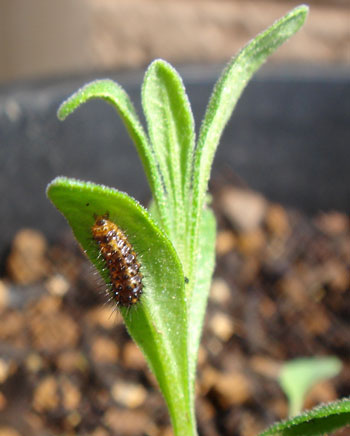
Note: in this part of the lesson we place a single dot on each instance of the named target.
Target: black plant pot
(289, 138)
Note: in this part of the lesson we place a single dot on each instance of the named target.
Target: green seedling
(298, 376)
(175, 238)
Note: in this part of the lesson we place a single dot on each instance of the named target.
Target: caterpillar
(126, 285)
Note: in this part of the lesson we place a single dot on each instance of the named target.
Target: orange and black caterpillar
(121, 260)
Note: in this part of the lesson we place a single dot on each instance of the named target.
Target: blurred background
(42, 38)
(281, 193)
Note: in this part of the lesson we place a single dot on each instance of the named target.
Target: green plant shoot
(175, 239)
(299, 375)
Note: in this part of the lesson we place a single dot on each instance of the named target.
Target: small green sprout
(299, 375)
(175, 238)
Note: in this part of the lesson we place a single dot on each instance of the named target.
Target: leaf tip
(98, 88)
(61, 113)
(55, 182)
(301, 11)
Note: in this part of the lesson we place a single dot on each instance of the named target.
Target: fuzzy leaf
(113, 93)
(159, 321)
(199, 296)
(321, 420)
(225, 96)
(171, 130)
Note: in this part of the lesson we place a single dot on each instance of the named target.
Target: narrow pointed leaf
(171, 130)
(158, 323)
(226, 94)
(322, 420)
(113, 93)
(199, 296)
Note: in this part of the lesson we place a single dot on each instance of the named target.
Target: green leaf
(225, 96)
(113, 93)
(299, 375)
(199, 291)
(199, 296)
(158, 323)
(321, 420)
(171, 129)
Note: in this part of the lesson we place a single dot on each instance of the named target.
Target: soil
(281, 290)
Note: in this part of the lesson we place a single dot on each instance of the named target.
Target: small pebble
(34, 362)
(220, 292)
(244, 208)
(102, 316)
(4, 295)
(133, 357)
(265, 366)
(46, 395)
(53, 332)
(322, 392)
(222, 326)
(57, 285)
(252, 242)
(3, 401)
(333, 223)
(225, 242)
(104, 350)
(4, 370)
(71, 396)
(27, 260)
(73, 419)
(277, 221)
(72, 360)
(232, 388)
(99, 431)
(130, 395)
(8, 431)
(202, 356)
(126, 422)
(250, 425)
